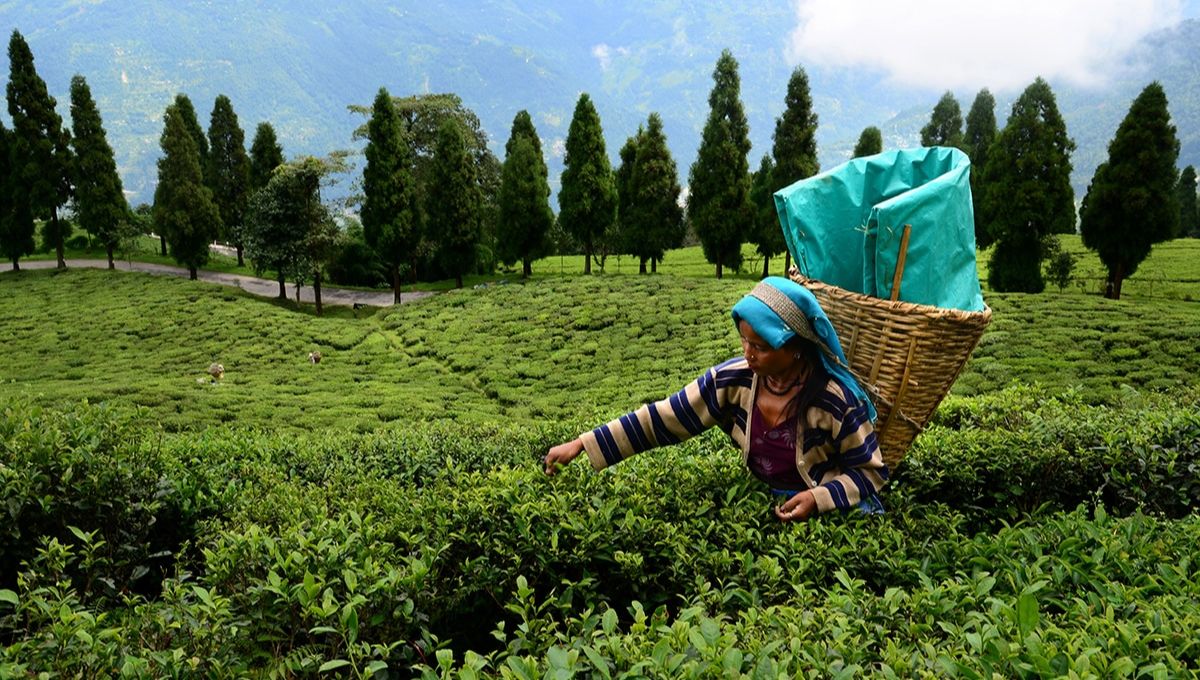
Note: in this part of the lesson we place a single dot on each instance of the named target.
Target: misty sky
(1001, 44)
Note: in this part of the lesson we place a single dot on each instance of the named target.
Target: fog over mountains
(299, 64)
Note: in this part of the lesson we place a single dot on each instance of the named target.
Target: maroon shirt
(773, 452)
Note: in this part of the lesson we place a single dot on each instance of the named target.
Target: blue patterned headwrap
(779, 309)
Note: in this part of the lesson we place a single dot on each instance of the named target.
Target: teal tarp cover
(843, 226)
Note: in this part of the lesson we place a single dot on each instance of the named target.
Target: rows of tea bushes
(554, 349)
(1028, 535)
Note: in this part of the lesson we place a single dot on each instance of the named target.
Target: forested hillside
(299, 65)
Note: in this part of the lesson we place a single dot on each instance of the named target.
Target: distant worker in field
(804, 425)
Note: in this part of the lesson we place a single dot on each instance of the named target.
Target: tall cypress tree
(525, 217)
(588, 197)
(719, 205)
(980, 133)
(16, 220)
(767, 235)
(1133, 199)
(184, 105)
(41, 162)
(1027, 189)
(870, 142)
(228, 171)
(655, 212)
(454, 203)
(99, 201)
(388, 213)
(265, 155)
(945, 123)
(623, 179)
(183, 207)
(1189, 218)
(795, 154)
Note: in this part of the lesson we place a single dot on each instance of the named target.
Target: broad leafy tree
(1133, 202)
(228, 170)
(454, 203)
(525, 217)
(978, 138)
(41, 154)
(945, 126)
(870, 142)
(16, 219)
(794, 150)
(1189, 218)
(184, 211)
(656, 217)
(388, 211)
(266, 154)
(588, 197)
(100, 204)
(719, 203)
(767, 235)
(1027, 189)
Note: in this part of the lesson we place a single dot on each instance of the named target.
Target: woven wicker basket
(906, 356)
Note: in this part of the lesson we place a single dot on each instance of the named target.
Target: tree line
(436, 203)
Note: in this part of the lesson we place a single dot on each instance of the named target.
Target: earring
(797, 356)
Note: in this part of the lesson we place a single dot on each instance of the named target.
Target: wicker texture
(906, 356)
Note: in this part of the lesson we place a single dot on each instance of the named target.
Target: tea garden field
(383, 513)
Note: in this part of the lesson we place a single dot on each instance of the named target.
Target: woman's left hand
(799, 507)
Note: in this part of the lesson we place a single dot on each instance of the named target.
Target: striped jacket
(837, 456)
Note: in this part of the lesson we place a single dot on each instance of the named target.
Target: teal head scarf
(779, 309)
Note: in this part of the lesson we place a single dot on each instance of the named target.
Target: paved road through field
(250, 284)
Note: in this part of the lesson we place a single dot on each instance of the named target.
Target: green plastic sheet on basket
(844, 226)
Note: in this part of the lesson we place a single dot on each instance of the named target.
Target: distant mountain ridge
(299, 64)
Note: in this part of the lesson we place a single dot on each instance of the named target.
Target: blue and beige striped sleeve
(856, 470)
(680, 416)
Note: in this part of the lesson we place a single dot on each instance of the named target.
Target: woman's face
(764, 359)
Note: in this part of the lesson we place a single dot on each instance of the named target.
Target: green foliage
(767, 236)
(99, 202)
(719, 202)
(588, 198)
(265, 155)
(978, 138)
(454, 203)
(794, 147)
(191, 123)
(1189, 212)
(1059, 263)
(1027, 190)
(389, 212)
(184, 211)
(228, 171)
(40, 151)
(525, 217)
(945, 124)
(870, 142)
(1133, 202)
(654, 220)
(16, 220)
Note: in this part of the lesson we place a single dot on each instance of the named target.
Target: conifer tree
(623, 179)
(795, 153)
(1027, 189)
(100, 202)
(656, 216)
(183, 207)
(870, 142)
(1133, 202)
(228, 171)
(41, 154)
(16, 219)
(980, 133)
(1189, 218)
(588, 197)
(454, 203)
(719, 204)
(265, 155)
(767, 235)
(389, 213)
(945, 123)
(525, 217)
(192, 122)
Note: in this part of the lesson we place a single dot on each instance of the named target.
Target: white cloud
(952, 44)
(604, 53)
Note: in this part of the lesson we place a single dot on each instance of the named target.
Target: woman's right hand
(562, 454)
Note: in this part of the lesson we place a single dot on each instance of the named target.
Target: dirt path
(250, 284)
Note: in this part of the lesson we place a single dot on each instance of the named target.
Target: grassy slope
(558, 347)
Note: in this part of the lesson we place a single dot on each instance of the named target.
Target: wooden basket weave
(906, 356)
